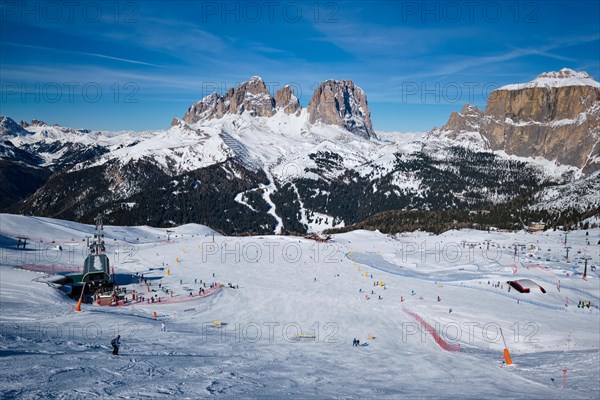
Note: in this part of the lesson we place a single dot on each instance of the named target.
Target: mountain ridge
(555, 116)
(248, 156)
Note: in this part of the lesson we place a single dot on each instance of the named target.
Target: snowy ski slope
(243, 342)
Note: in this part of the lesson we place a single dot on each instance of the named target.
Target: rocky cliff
(344, 104)
(286, 100)
(555, 116)
(339, 103)
(251, 96)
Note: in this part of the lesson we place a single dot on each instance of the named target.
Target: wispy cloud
(83, 53)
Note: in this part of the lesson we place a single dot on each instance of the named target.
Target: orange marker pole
(78, 308)
(506, 353)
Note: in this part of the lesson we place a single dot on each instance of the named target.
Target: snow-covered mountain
(555, 116)
(250, 162)
(339, 103)
(563, 78)
(581, 194)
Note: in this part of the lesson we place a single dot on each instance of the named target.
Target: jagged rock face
(340, 103)
(252, 97)
(286, 100)
(344, 104)
(467, 120)
(8, 127)
(556, 116)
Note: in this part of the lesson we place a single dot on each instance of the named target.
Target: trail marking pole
(506, 353)
(78, 308)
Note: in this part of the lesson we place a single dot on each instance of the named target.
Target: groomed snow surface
(291, 285)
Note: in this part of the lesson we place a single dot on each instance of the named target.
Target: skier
(354, 342)
(162, 327)
(449, 311)
(439, 298)
(115, 343)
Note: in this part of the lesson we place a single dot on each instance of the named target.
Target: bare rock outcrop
(286, 100)
(555, 116)
(251, 97)
(344, 104)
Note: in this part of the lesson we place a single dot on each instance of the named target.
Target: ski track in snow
(267, 191)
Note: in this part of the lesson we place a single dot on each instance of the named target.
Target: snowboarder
(449, 311)
(115, 343)
(439, 298)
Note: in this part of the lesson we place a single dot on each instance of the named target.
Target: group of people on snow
(583, 304)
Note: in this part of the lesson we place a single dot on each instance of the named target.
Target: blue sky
(137, 64)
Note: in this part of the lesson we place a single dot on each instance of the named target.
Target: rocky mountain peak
(334, 102)
(565, 73)
(8, 127)
(344, 104)
(555, 116)
(286, 100)
(554, 79)
(251, 97)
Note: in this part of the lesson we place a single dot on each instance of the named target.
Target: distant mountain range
(249, 162)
